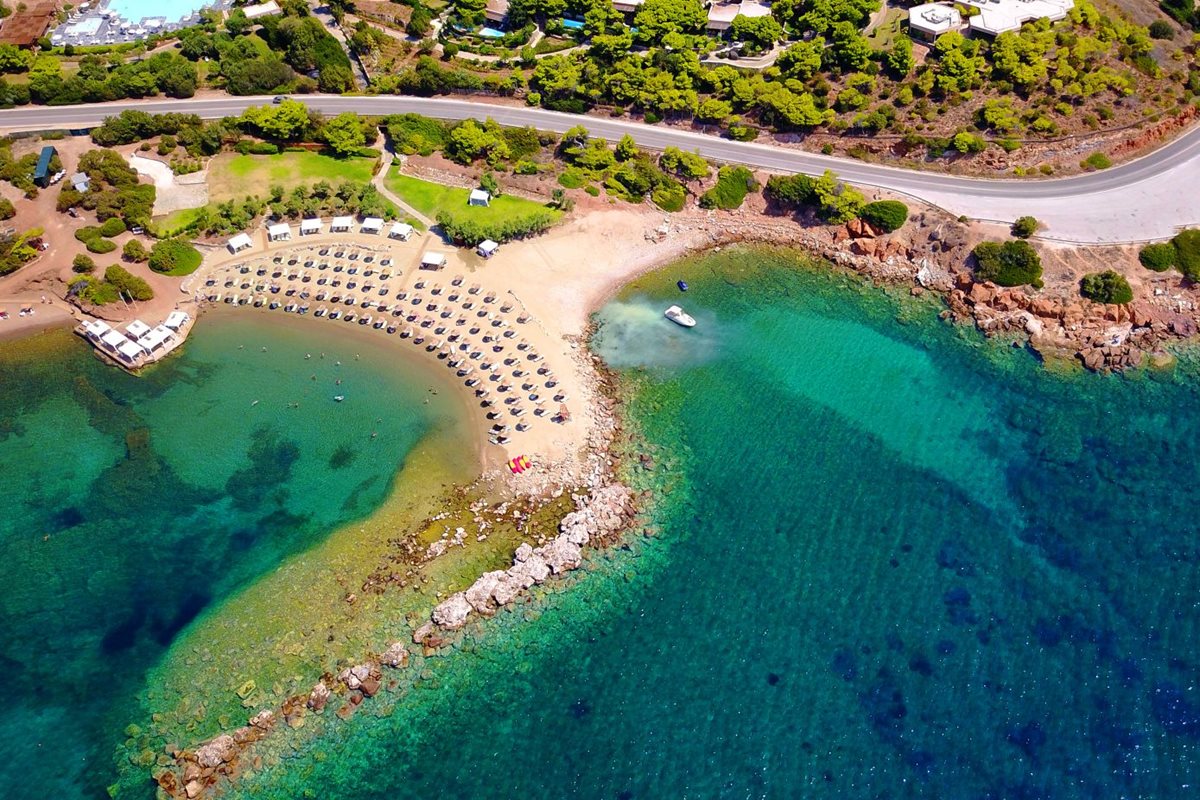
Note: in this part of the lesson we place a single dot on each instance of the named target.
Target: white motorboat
(679, 317)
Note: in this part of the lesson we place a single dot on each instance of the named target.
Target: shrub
(1008, 263)
(101, 246)
(669, 196)
(1161, 29)
(1025, 227)
(87, 233)
(1187, 253)
(733, 184)
(468, 229)
(83, 264)
(887, 215)
(127, 283)
(1158, 257)
(135, 251)
(1106, 287)
(174, 257)
(113, 226)
(1096, 161)
(7, 209)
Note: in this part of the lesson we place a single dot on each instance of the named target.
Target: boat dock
(139, 344)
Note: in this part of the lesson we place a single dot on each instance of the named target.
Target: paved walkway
(379, 182)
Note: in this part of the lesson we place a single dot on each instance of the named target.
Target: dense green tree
(1012, 263)
(763, 32)
(887, 215)
(802, 60)
(1158, 257)
(344, 134)
(657, 18)
(1106, 287)
(286, 121)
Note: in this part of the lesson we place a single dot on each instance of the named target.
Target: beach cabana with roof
(156, 338)
(279, 232)
(479, 197)
(401, 231)
(487, 248)
(176, 320)
(238, 243)
(96, 329)
(341, 224)
(112, 339)
(80, 182)
(433, 260)
(308, 226)
(137, 329)
(372, 225)
(130, 351)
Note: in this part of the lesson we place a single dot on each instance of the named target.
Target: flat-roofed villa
(721, 15)
(933, 19)
(994, 17)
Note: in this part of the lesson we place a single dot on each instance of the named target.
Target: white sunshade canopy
(372, 224)
(137, 329)
(130, 350)
(156, 338)
(488, 246)
(310, 225)
(433, 259)
(113, 339)
(176, 320)
(480, 196)
(279, 230)
(401, 229)
(342, 223)
(239, 242)
(97, 328)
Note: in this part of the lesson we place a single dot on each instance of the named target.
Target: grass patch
(881, 38)
(176, 222)
(432, 199)
(233, 176)
(733, 184)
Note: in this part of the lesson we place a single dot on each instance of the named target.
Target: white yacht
(679, 317)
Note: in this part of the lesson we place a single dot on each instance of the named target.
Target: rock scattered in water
(395, 656)
(216, 752)
(451, 614)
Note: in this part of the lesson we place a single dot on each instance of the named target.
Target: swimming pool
(170, 10)
(490, 33)
(572, 24)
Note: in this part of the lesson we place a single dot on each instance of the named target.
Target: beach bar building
(279, 232)
(341, 224)
(401, 231)
(487, 248)
(238, 243)
(433, 260)
(310, 226)
(372, 225)
(479, 198)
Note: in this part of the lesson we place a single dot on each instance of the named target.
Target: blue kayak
(682, 286)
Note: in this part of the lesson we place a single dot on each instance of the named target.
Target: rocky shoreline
(603, 509)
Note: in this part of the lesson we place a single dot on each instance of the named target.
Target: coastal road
(1148, 198)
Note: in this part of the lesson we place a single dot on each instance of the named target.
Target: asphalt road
(1139, 200)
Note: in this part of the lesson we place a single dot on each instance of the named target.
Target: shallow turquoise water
(893, 562)
(133, 505)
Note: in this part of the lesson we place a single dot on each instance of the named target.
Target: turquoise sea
(132, 506)
(890, 560)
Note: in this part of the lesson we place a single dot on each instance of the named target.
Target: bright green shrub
(887, 215)
(1106, 287)
(1013, 263)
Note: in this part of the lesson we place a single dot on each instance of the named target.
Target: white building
(341, 224)
(933, 19)
(479, 198)
(112, 339)
(96, 329)
(309, 226)
(372, 225)
(487, 248)
(401, 231)
(267, 9)
(239, 243)
(1002, 16)
(156, 338)
(130, 350)
(279, 232)
(720, 15)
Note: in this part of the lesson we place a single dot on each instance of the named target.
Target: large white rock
(524, 551)
(532, 570)
(562, 555)
(395, 656)
(452, 612)
(480, 594)
(507, 589)
(216, 752)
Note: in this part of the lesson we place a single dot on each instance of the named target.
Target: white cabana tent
(487, 248)
(279, 231)
(97, 328)
(112, 339)
(433, 261)
(479, 198)
(176, 320)
(130, 350)
(372, 225)
(401, 231)
(341, 223)
(156, 338)
(239, 242)
(137, 329)
(308, 226)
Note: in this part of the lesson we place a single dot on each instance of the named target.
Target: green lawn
(430, 198)
(232, 175)
(881, 38)
(176, 222)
